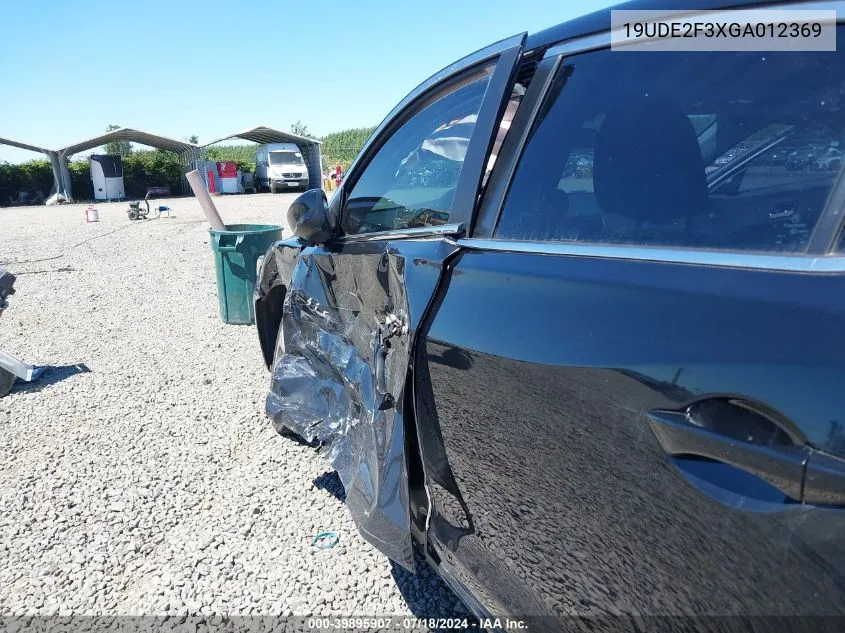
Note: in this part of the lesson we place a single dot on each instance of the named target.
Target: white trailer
(107, 176)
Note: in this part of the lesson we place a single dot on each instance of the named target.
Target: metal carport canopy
(53, 155)
(129, 134)
(18, 144)
(188, 150)
(310, 147)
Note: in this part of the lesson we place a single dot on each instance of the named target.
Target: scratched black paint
(558, 498)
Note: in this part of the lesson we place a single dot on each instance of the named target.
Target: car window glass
(733, 151)
(777, 154)
(411, 180)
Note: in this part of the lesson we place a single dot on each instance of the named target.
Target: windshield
(285, 158)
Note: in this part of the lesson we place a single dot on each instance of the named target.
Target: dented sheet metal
(341, 367)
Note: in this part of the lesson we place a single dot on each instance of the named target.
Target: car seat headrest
(648, 165)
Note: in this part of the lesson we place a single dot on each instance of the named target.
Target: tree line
(143, 168)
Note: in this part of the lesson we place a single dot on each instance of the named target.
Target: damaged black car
(552, 338)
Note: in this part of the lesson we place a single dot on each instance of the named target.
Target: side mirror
(310, 218)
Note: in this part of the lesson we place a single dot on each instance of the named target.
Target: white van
(280, 166)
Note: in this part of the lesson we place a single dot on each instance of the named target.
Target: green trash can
(236, 253)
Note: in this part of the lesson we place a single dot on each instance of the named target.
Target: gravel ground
(139, 475)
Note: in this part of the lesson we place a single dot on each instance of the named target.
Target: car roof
(599, 21)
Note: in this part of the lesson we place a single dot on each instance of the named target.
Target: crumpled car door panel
(348, 327)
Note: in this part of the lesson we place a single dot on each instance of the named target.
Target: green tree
(300, 129)
(121, 148)
(243, 155)
(340, 148)
(193, 138)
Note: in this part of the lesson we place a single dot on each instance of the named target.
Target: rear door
(632, 382)
(353, 305)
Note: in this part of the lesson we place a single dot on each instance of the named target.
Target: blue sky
(180, 67)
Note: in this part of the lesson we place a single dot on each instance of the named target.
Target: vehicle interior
(411, 180)
(685, 153)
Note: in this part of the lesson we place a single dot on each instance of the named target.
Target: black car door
(353, 304)
(626, 400)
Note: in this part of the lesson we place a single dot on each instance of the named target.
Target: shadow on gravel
(330, 482)
(298, 439)
(52, 374)
(426, 594)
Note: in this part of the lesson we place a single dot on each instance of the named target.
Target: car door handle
(783, 209)
(742, 474)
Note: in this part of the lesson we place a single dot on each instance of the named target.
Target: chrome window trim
(724, 259)
(399, 234)
(579, 45)
(602, 40)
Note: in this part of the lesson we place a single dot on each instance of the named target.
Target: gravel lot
(139, 475)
